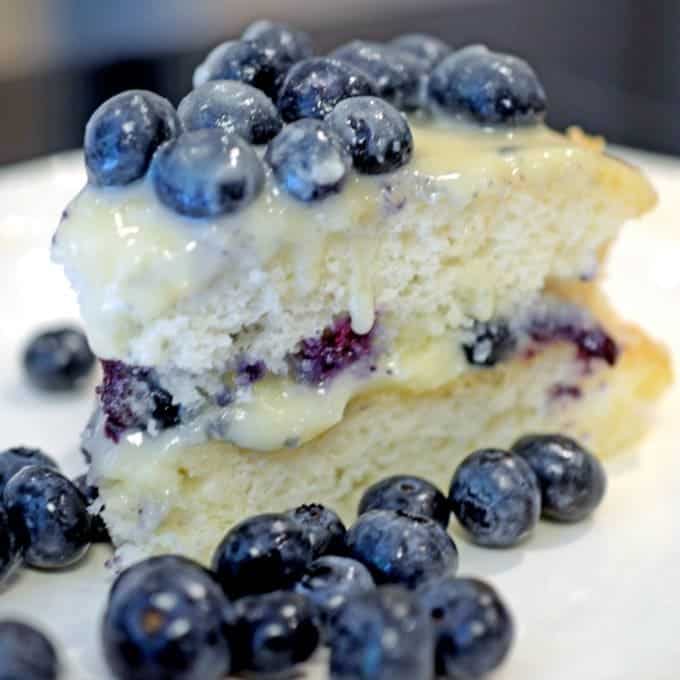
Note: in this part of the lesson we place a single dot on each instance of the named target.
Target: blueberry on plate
(207, 173)
(376, 135)
(17, 458)
(233, 107)
(49, 516)
(58, 360)
(262, 554)
(423, 46)
(401, 548)
(399, 76)
(25, 653)
(384, 634)
(123, 134)
(323, 527)
(166, 621)
(496, 497)
(314, 86)
(572, 480)
(11, 548)
(490, 343)
(308, 160)
(488, 87)
(473, 628)
(413, 495)
(273, 632)
(289, 43)
(98, 531)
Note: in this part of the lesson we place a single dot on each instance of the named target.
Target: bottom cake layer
(184, 500)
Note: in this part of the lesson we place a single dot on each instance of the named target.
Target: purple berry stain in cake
(560, 391)
(249, 372)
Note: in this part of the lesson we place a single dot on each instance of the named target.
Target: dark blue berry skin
(401, 548)
(314, 86)
(98, 531)
(426, 47)
(207, 173)
(17, 458)
(413, 495)
(399, 76)
(324, 529)
(49, 516)
(384, 634)
(58, 360)
(262, 554)
(308, 161)
(11, 548)
(488, 87)
(492, 342)
(273, 632)
(123, 134)
(572, 480)
(473, 628)
(376, 135)
(25, 653)
(288, 43)
(165, 620)
(496, 497)
(233, 107)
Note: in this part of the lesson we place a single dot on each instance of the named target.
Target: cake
(291, 302)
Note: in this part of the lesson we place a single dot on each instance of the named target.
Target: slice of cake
(291, 301)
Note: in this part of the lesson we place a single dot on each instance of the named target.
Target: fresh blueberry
(495, 496)
(314, 86)
(165, 620)
(572, 480)
(374, 132)
(384, 634)
(123, 134)
(490, 342)
(426, 47)
(323, 526)
(58, 360)
(288, 43)
(25, 653)
(413, 495)
(11, 548)
(261, 554)
(207, 173)
(489, 87)
(49, 515)
(247, 61)
(473, 628)
(401, 548)
(399, 76)
(308, 161)
(98, 531)
(233, 107)
(17, 458)
(273, 632)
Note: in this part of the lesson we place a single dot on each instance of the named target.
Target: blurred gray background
(613, 66)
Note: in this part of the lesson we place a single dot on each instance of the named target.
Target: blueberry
(489, 87)
(399, 76)
(58, 360)
(401, 548)
(25, 653)
(413, 495)
(17, 458)
(165, 620)
(273, 632)
(308, 161)
(572, 480)
(324, 529)
(495, 496)
(123, 134)
(233, 107)
(384, 634)
(288, 43)
(314, 86)
(374, 132)
(98, 531)
(261, 554)
(11, 548)
(49, 515)
(473, 628)
(207, 173)
(490, 343)
(426, 47)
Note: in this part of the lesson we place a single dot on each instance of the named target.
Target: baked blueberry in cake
(326, 270)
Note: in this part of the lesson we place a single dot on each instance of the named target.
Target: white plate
(598, 601)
